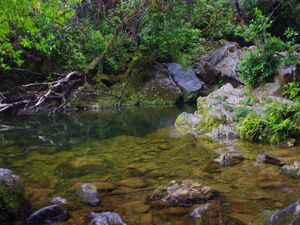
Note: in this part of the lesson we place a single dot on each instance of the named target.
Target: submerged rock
(200, 210)
(264, 158)
(287, 216)
(89, 194)
(48, 215)
(13, 202)
(185, 193)
(106, 218)
(186, 79)
(229, 158)
(293, 169)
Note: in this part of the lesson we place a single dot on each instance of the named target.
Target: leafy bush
(263, 62)
(280, 123)
(292, 91)
(31, 25)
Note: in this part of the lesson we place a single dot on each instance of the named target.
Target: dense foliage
(263, 61)
(292, 91)
(280, 123)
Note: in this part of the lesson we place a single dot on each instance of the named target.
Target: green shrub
(292, 91)
(280, 123)
(262, 63)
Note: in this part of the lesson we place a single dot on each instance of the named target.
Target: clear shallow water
(131, 152)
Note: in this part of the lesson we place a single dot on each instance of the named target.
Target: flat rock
(185, 193)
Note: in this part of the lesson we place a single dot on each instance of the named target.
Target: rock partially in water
(186, 79)
(188, 121)
(264, 158)
(48, 215)
(215, 116)
(89, 194)
(13, 201)
(230, 158)
(200, 210)
(161, 87)
(106, 218)
(185, 193)
(293, 170)
(59, 201)
(287, 216)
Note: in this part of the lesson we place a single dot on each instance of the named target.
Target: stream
(130, 152)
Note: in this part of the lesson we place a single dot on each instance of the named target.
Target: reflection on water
(127, 154)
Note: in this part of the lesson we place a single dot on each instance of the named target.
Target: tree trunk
(238, 14)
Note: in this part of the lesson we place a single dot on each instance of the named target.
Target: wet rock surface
(293, 170)
(88, 193)
(230, 158)
(48, 215)
(186, 193)
(264, 158)
(289, 216)
(200, 210)
(106, 218)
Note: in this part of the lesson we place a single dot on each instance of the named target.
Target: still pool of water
(128, 153)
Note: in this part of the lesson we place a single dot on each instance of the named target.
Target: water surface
(131, 152)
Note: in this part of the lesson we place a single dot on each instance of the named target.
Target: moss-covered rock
(13, 202)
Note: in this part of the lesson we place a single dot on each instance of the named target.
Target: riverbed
(128, 153)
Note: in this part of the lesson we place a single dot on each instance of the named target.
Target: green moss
(180, 120)
(208, 121)
(11, 199)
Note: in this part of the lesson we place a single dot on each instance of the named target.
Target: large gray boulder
(160, 87)
(13, 202)
(186, 79)
(215, 116)
(220, 64)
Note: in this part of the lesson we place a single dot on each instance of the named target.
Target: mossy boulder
(158, 86)
(13, 201)
(215, 116)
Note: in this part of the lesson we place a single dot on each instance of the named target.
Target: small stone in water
(89, 194)
(59, 201)
(106, 218)
(199, 211)
(264, 158)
